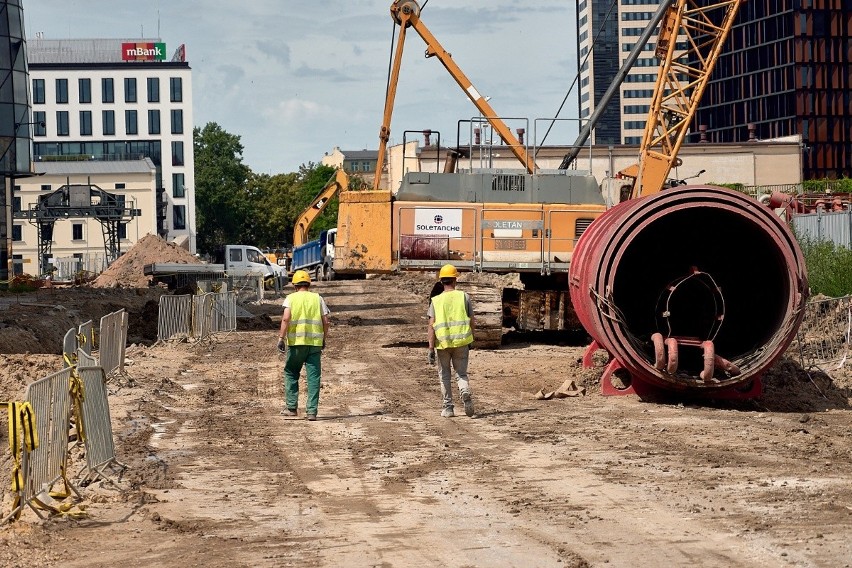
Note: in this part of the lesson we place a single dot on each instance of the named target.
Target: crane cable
(577, 76)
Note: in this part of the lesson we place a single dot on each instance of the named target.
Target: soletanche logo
(438, 219)
(143, 51)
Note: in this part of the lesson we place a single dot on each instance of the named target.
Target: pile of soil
(126, 272)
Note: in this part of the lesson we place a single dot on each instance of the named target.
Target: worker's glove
(431, 357)
(282, 345)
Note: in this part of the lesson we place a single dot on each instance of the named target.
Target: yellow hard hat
(301, 277)
(448, 271)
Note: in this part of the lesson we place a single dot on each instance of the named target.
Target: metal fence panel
(823, 338)
(174, 319)
(86, 336)
(51, 403)
(100, 449)
(224, 312)
(85, 360)
(69, 347)
(113, 341)
(202, 312)
(834, 226)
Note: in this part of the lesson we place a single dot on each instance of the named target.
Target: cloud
(293, 109)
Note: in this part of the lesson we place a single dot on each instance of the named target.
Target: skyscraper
(787, 70)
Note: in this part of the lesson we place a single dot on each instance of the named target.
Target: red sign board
(143, 51)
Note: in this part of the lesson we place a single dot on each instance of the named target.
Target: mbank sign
(143, 51)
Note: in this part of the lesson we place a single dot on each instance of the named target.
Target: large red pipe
(695, 288)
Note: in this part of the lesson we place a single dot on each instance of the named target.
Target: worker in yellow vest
(450, 335)
(304, 329)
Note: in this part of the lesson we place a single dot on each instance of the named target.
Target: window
(177, 121)
(38, 91)
(77, 231)
(107, 90)
(17, 233)
(84, 87)
(176, 89)
(109, 122)
(179, 217)
(177, 153)
(153, 121)
(130, 124)
(120, 186)
(16, 204)
(153, 90)
(45, 187)
(40, 126)
(85, 123)
(235, 255)
(130, 89)
(62, 91)
(62, 123)
(122, 230)
(177, 186)
(18, 262)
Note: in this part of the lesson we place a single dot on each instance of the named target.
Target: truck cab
(246, 260)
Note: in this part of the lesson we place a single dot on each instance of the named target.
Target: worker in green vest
(450, 335)
(304, 328)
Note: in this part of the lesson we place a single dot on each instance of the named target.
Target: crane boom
(406, 13)
(681, 82)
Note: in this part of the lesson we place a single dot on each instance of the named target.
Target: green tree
(223, 206)
(312, 178)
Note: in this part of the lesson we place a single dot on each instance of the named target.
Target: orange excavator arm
(406, 13)
(340, 182)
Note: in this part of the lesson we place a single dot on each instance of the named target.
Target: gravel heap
(126, 272)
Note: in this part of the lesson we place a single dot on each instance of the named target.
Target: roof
(360, 154)
(79, 50)
(143, 166)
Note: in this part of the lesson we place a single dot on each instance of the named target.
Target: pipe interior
(744, 261)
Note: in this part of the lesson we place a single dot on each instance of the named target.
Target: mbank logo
(143, 51)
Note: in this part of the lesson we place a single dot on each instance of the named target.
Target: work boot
(289, 412)
(448, 412)
(468, 404)
(311, 417)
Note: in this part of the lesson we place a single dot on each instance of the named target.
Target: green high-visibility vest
(452, 324)
(305, 319)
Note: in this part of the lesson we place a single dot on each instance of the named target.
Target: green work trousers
(310, 356)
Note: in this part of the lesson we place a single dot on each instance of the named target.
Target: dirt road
(217, 477)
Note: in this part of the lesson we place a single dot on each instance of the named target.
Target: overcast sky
(295, 78)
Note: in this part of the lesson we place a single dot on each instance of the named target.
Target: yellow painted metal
(681, 82)
(407, 13)
(363, 242)
(339, 183)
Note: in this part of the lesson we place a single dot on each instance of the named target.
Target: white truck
(230, 260)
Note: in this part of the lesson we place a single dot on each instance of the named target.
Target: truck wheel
(328, 272)
(318, 273)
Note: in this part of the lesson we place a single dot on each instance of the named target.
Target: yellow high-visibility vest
(452, 324)
(305, 319)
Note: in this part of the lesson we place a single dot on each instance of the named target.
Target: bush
(829, 267)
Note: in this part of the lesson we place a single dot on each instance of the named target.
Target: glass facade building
(786, 70)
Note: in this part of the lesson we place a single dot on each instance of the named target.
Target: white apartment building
(624, 121)
(119, 99)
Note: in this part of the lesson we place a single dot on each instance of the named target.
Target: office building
(119, 99)
(614, 30)
(786, 70)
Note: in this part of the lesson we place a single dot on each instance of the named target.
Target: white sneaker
(468, 404)
(448, 413)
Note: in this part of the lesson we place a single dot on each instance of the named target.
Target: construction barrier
(43, 464)
(85, 360)
(113, 342)
(86, 337)
(823, 338)
(196, 317)
(100, 449)
(69, 347)
(174, 320)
